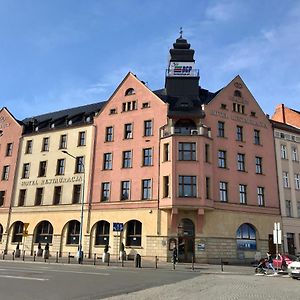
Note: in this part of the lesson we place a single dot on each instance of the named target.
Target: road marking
(26, 278)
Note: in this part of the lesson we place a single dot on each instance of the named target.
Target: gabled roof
(284, 126)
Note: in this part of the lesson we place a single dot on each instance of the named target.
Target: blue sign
(118, 226)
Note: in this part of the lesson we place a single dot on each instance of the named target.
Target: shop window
(246, 237)
(44, 232)
(17, 232)
(102, 233)
(134, 233)
(73, 232)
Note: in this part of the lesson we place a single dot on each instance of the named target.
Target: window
(239, 133)
(28, 149)
(146, 105)
(288, 208)
(258, 165)
(148, 128)
(222, 159)
(113, 111)
(81, 138)
(286, 180)
(283, 151)
(25, 172)
(221, 129)
(239, 108)
(107, 161)
(223, 106)
(109, 134)
(9, 149)
(207, 156)
(44, 232)
(129, 92)
(223, 189)
(166, 154)
(1, 232)
(38, 196)
(22, 197)
(127, 159)
(42, 169)
(187, 186)
(125, 190)
(5, 173)
(76, 193)
(187, 151)
(237, 94)
(57, 195)
(60, 167)
(73, 232)
(256, 137)
(241, 162)
(261, 196)
(243, 193)
(17, 232)
(295, 154)
(166, 186)
(45, 145)
(146, 189)
(128, 106)
(298, 208)
(128, 133)
(63, 142)
(79, 166)
(207, 187)
(102, 233)
(147, 157)
(246, 237)
(134, 233)
(2, 197)
(105, 191)
(297, 181)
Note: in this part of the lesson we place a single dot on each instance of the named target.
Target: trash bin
(138, 260)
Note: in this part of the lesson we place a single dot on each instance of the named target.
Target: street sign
(118, 226)
(25, 231)
(277, 234)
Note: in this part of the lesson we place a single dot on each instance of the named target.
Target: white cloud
(221, 11)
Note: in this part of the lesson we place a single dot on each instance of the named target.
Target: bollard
(56, 259)
(34, 254)
(108, 259)
(122, 260)
(69, 257)
(156, 259)
(94, 259)
(173, 265)
(13, 254)
(3, 255)
(193, 262)
(138, 260)
(222, 269)
(23, 258)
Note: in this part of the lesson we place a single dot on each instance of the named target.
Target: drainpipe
(283, 113)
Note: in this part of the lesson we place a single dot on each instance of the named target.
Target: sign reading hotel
(181, 69)
(42, 182)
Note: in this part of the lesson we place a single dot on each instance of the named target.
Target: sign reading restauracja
(51, 181)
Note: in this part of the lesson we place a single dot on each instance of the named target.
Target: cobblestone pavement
(223, 286)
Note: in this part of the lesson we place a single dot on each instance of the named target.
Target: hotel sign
(43, 182)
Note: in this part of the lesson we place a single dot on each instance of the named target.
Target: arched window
(186, 228)
(134, 233)
(17, 232)
(73, 232)
(129, 92)
(1, 232)
(246, 237)
(237, 94)
(102, 233)
(44, 232)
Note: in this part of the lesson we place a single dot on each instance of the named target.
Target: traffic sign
(118, 226)
(25, 231)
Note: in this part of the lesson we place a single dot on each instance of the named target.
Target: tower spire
(181, 32)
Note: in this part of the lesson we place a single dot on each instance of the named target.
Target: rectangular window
(38, 196)
(76, 193)
(297, 181)
(147, 157)
(288, 208)
(241, 162)
(286, 180)
(109, 134)
(9, 149)
(258, 165)
(79, 165)
(223, 189)
(207, 187)
(127, 159)
(207, 156)
(60, 167)
(125, 190)
(238, 108)
(25, 172)
(148, 128)
(81, 138)
(57, 195)
(298, 208)
(5, 173)
(256, 137)
(2, 197)
(166, 186)
(261, 196)
(239, 133)
(105, 191)
(146, 189)
(63, 142)
(243, 193)
(187, 151)
(221, 129)
(222, 159)
(22, 196)
(295, 154)
(42, 169)
(128, 133)
(283, 151)
(45, 145)
(107, 161)
(187, 186)
(28, 149)
(166, 154)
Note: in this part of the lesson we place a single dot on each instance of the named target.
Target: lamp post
(80, 251)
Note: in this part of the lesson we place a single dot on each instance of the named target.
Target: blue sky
(64, 53)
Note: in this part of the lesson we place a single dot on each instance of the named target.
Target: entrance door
(186, 240)
(290, 243)
(272, 246)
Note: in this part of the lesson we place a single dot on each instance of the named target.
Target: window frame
(187, 186)
(187, 151)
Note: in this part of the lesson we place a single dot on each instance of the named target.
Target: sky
(57, 54)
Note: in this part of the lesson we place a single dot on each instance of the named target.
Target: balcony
(201, 130)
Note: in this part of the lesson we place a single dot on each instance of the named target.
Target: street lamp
(80, 251)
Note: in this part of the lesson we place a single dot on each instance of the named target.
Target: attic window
(146, 105)
(113, 111)
(237, 94)
(88, 119)
(184, 104)
(52, 125)
(70, 122)
(253, 114)
(129, 92)
(36, 128)
(223, 106)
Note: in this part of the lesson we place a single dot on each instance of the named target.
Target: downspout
(158, 185)
(283, 113)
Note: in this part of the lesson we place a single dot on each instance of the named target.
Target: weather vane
(180, 32)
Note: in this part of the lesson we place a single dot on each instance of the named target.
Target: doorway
(186, 240)
(290, 243)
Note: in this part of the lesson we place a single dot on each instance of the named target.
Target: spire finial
(181, 32)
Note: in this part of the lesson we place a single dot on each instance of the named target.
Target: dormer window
(52, 125)
(70, 122)
(88, 119)
(129, 92)
(237, 94)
